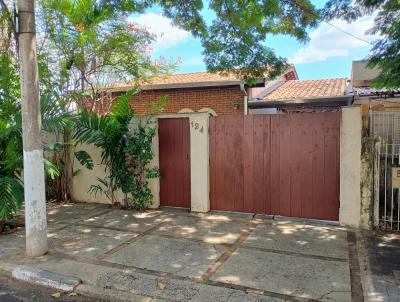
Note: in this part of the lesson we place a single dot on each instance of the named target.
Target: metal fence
(385, 127)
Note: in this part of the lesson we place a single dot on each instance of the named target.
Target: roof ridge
(186, 73)
(325, 79)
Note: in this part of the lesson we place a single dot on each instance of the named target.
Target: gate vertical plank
(267, 169)
(331, 171)
(220, 197)
(318, 167)
(307, 160)
(338, 118)
(296, 150)
(169, 144)
(239, 185)
(275, 164)
(172, 174)
(179, 167)
(285, 166)
(248, 163)
(259, 184)
(230, 164)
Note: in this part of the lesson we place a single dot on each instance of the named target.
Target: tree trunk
(34, 181)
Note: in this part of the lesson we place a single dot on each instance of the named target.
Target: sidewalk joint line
(227, 254)
(200, 280)
(131, 240)
(296, 254)
(355, 274)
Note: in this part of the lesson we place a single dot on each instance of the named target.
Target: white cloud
(327, 41)
(193, 61)
(166, 34)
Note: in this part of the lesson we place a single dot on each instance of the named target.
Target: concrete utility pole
(35, 199)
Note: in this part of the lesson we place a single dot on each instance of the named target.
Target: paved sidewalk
(172, 255)
(380, 266)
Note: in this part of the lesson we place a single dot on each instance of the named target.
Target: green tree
(235, 41)
(385, 53)
(94, 46)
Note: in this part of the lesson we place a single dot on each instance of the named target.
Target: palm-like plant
(11, 189)
(11, 158)
(126, 150)
(56, 119)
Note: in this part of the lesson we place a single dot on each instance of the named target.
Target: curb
(113, 295)
(46, 278)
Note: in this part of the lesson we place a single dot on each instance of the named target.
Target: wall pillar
(199, 162)
(350, 166)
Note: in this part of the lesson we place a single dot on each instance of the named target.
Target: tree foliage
(234, 42)
(385, 53)
(94, 45)
(235, 39)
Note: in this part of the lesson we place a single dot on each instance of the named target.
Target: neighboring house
(380, 107)
(194, 92)
(365, 94)
(302, 95)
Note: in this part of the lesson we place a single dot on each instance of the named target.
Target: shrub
(125, 141)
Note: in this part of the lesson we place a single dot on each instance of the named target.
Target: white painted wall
(350, 166)
(85, 178)
(199, 167)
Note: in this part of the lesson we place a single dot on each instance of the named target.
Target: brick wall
(219, 99)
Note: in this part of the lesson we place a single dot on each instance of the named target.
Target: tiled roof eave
(367, 91)
(299, 101)
(186, 85)
(307, 99)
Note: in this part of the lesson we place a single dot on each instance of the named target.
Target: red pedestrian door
(174, 149)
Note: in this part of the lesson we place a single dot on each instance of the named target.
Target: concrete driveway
(172, 255)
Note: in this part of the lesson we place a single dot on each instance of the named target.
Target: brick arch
(185, 110)
(208, 110)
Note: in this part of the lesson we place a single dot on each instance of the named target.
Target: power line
(329, 23)
(347, 33)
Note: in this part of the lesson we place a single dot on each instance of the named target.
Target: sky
(328, 53)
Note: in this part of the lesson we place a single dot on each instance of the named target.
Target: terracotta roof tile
(309, 89)
(194, 77)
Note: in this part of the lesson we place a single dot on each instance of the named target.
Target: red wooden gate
(276, 164)
(174, 147)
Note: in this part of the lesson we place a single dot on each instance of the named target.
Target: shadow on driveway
(174, 255)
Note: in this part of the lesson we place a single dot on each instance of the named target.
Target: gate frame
(199, 160)
(350, 164)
